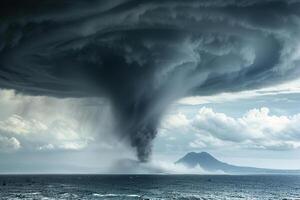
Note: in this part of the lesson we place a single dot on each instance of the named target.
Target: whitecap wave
(116, 195)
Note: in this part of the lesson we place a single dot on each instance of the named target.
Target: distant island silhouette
(210, 164)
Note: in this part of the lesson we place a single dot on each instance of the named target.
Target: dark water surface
(182, 187)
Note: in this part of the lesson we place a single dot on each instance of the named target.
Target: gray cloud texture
(143, 55)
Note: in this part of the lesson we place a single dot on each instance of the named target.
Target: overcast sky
(87, 83)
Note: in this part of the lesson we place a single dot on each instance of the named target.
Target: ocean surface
(132, 187)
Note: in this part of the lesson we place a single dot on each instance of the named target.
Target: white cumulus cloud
(9, 144)
(257, 129)
(33, 133)
(46, 123)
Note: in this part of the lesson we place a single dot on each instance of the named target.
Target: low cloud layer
(256, 129)
(143, 56)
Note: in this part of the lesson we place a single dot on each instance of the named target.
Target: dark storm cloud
(143, 55)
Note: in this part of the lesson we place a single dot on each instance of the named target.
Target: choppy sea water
(183, 187)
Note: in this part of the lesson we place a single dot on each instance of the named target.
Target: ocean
(183, 187)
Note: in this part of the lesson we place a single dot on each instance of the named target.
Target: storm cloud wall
(144, 55)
